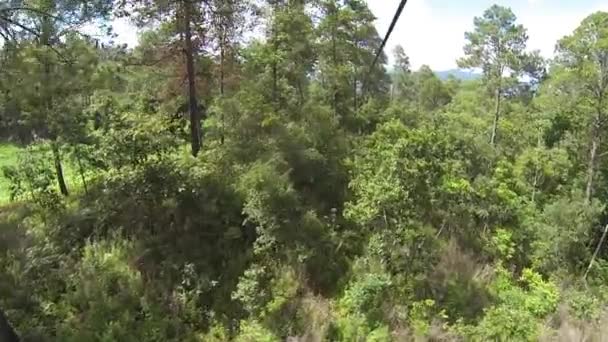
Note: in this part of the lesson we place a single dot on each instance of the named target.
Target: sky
(432, 31)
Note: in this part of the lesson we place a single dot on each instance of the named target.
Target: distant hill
(459, 74)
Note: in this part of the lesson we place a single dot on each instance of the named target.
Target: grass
(8, 156)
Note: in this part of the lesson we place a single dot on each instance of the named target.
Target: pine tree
(497, 46)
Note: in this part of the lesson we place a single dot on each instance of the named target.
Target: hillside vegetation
(208, 185)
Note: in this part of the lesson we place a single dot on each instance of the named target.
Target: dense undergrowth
(321, 207)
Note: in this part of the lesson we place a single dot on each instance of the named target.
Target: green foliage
(328, 201)
(584, 305)
(8, 158)
(390, 159)
(355, 328)
(252, 331)
(365, 297)
(518, 313)
(421, 316)
(33, 178)
(564, 228)
(134, 138)
(94, 299)
(502, 243)
(497, 44)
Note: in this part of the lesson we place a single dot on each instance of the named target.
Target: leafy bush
(518, 312)
(105, 299)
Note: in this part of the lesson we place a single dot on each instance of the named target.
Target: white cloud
(436, 37)
(126, 32)
(427, 36)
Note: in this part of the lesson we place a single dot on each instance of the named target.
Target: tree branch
(37, 35)
(30, 9)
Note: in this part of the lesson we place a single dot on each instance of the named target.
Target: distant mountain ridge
(460, 74)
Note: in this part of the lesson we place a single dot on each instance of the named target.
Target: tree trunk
(334, 53)
(355, 93)
(59, 170)
(355, 104)
(300, 91)
(275, 72)
(81, 171)
(536, 166)
(592, 162)
(274, 85)
(535, 183)
(222, 61)
(496, 116)
(195, 120)
(7, 333)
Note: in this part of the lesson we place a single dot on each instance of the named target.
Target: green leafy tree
(57, 67)
(187, 19)
(582, 64)
(348, 42)
(402, 86)
(432, 93)
(496, 46)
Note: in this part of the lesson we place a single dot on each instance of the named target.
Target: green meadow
(9, 155)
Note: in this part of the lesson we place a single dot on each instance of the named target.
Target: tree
(497, 46)
(403, 81)
(55, 69)
(348, 42)
(290, 50)
(187, 18)
(583, 61)
(228, 24)
(402, 61)
(432, 93)
(44, 27)
(16, 16)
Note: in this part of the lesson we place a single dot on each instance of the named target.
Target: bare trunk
(222, 61)
(355, 104)
(535, 184)
(275, 72)
(536, 167)
(334, 51)
(355, 93)
(496, 116)
(592, 163)
(59, 170)
(7, 333)
(195, 120)
(274, 85)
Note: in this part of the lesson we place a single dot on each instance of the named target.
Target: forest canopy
(210, 184)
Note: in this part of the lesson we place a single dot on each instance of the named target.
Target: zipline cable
(389, 32)
(384, 41)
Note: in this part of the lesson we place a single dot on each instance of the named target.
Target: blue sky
(432, 31)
